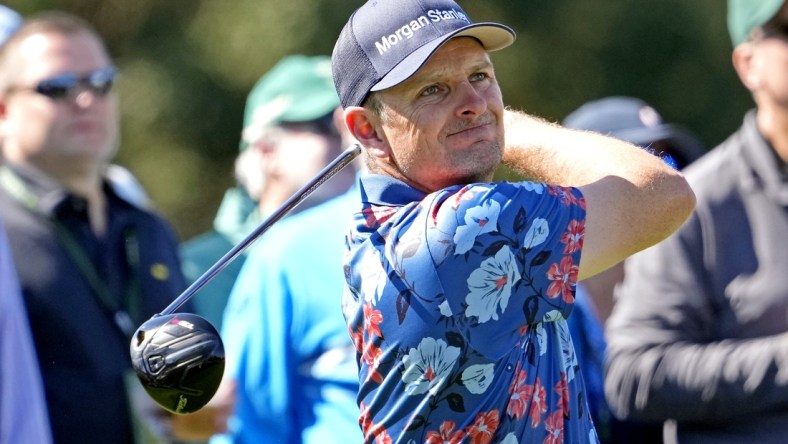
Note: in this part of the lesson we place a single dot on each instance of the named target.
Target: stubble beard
(481, 169)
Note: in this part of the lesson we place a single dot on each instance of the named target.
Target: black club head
(179, 360)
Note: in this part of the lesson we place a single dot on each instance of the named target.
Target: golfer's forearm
(633, 198)
(544, 151)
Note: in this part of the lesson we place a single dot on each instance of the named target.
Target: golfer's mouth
(475, 133)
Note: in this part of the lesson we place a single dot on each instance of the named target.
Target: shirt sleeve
(510, 252)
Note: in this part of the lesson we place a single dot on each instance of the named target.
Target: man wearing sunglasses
(699, 332)
(91, 264)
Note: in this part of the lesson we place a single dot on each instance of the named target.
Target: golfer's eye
(479, 76)
(430, 90)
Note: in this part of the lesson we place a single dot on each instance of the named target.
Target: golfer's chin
(478, 170)
(474, 177)
(481, 161)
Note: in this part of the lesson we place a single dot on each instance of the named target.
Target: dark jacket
(82, 350)
(699, 332)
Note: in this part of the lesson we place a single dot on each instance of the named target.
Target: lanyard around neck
(123, 318)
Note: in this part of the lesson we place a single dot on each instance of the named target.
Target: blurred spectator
(700, 325)
(23, 414)
(91, 265)
(288, 137)
(636, 122)
(296, 371)
(121, 179)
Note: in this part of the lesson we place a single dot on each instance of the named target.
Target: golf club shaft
(337, 164)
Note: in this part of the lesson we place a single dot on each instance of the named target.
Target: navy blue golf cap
(386, 41)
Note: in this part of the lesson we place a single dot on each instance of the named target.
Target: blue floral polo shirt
(457, 304)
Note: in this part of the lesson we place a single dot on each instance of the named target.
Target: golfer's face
(444, 125)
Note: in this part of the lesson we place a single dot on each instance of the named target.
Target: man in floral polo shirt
(459, 287)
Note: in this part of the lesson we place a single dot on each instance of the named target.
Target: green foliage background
(187, 66)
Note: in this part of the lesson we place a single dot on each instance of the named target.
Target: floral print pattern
(491, 285)
(428, 366)
(457, 304)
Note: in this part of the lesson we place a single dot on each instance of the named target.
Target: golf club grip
(330, 170)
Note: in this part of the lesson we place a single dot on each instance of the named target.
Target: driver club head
(179, 360)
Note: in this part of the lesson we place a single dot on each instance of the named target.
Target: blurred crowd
(681, 342)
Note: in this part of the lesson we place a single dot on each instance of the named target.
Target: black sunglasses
(68, 85)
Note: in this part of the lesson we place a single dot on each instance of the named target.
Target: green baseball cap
(746, 15)
(297, 89)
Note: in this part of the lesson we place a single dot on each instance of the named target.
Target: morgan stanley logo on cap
(386, 41)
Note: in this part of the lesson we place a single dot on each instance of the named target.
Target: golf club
(179, 357)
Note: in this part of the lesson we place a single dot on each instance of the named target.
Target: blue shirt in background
(286, 341)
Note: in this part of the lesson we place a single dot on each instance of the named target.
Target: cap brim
(493, 36)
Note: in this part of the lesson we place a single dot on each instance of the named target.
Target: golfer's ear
(362, 128)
